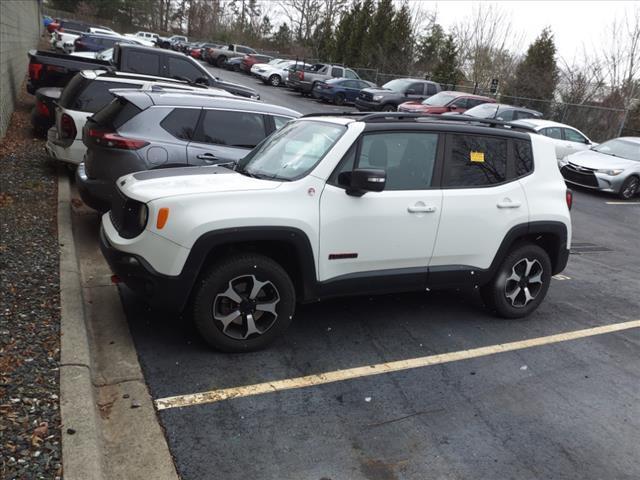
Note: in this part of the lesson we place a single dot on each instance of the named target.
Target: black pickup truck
(48, 69)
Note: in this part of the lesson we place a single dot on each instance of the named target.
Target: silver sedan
(612, 166)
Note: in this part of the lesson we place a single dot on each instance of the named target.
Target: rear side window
(96, 96)
(523, 157)
(116, 114)
(475, 161)
(431, 89)
(552, 132)
(180, 68)
(181, 122)
(573, 136)
(233, 129)
(418, 88)
(336, 72)
(142, 62)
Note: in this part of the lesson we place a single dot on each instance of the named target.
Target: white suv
(340, 205)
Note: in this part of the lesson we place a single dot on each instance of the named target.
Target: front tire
(630, 188)
(389, 108)
(244, 303)
(520, 284)
(275, 80)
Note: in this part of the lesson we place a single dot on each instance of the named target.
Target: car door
(389, 231)
(480, 203)
(555, 133)
(351, 89)
(223, 135)
(418, 91)
(574, 141)
(459, 105)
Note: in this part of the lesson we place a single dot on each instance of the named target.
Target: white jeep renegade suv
(340, 205)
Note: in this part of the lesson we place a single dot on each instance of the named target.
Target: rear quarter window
(523, 157)
(181, 122)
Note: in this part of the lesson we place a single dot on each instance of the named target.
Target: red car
(195, 52)
(445, 102)
(250, 60)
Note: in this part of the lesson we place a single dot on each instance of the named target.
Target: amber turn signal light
(163, 216)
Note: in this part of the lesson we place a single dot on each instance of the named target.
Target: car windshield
(291, 152)
(486, 110)
(398, 85)
(439, 99)
(619, 147)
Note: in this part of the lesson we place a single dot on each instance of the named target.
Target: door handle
(507, 203)
(207, 157)
(421, 209)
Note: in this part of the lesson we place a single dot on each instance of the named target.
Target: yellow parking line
(380, 368)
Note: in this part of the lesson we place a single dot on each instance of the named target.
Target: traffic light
(494, 85)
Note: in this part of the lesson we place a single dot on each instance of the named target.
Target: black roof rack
(414, 117)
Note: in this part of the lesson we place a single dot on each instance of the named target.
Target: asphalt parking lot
(563, 408)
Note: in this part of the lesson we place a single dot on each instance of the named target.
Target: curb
(81, 439)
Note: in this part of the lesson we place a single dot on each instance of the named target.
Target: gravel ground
(29, 306)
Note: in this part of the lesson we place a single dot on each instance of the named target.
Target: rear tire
(630, 188)
(275, 80)
(339, 99)
(243, 303)
(520, 283)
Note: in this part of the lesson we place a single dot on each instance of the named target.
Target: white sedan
(567, 139)
(274, 74)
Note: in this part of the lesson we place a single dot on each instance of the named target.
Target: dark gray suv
(162, 129)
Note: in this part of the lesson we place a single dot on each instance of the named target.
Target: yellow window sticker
(477, 157)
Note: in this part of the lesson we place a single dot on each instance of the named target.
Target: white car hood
(596, 160)
(168, 182)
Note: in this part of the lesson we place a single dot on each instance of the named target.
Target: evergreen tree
(430, 49)
(447, 71)
(400, 42)
(537, 74)
(282, 38)
(379, 36)
(343, 33)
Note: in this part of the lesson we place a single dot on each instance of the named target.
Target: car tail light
(42, 108)
(67, 126)
(569, 198)
(113, 140)
(301, 75)
(35, 69)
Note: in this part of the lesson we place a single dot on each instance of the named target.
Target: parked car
(93, 42)
(102, 31)
(104, 55)
(274, 61)
(148, 39)
(304, 80)
(252, 59)
(166, 42)
(217, 56)
(445, 102)
(612, 166)
(205, 51)
(385, 222)
(233, 64)
(566, 139)
(501, 111)
(340, 90)
(393, 93)
(43, 114)
(198, 51)
(89, 92)
(167, 129)
(48, 69)
(274, 75)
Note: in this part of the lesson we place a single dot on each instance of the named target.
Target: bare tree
(484, 38)
(303, 16)
(583, 80)
(621, 55)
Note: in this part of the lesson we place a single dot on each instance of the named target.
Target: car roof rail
(413, 117)
(336, 114)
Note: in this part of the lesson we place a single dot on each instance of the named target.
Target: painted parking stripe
(622, 203)
(380, 368)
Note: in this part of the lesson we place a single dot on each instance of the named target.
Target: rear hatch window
(72, 90)
(116, 114)
(92, 95)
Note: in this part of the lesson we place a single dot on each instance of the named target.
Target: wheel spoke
(530, 264)
(227, 319)
(537, 278)
(251, 326)
(514, 277)
(231, 294)
(512, 296)
(527, 295)
(257, 286)
(269, 307)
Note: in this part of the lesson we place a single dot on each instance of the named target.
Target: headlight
(143, 216)
(377, 98)
(610, 172)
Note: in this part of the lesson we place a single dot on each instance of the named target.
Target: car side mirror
(363, 180)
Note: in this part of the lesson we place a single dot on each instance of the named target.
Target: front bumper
(592, 179)
(367, 106)
(161, 291)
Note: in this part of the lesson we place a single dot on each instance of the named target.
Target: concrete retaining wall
(20, 28)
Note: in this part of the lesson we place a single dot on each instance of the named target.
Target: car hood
(419, 107)
(597, 160)
(153, 184)
(236, 89)
(382, 91)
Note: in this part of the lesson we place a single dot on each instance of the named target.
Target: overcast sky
(573, 22)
